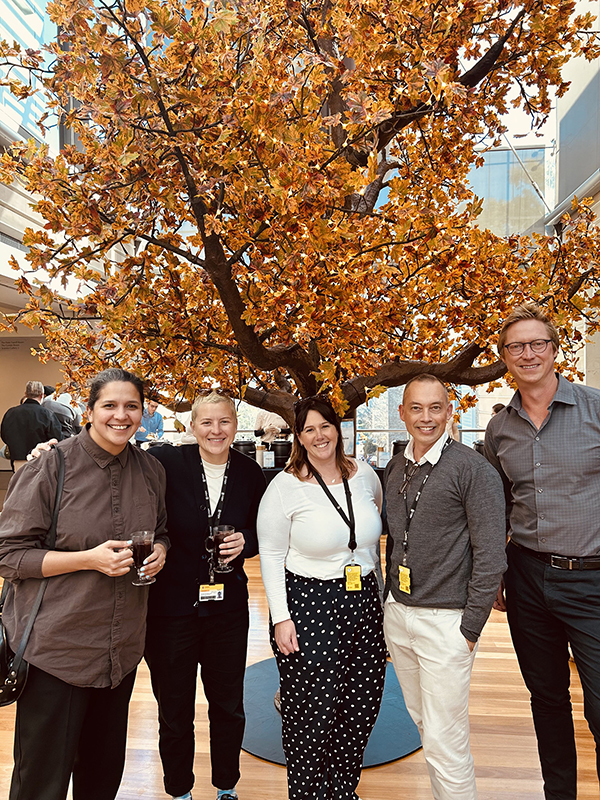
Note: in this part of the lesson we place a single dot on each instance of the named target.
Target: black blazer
(25, 425)
(176, 589)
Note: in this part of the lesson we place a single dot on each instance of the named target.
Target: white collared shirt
(432, 455)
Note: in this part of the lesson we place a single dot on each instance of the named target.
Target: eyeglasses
(408, 478)
(537, 346)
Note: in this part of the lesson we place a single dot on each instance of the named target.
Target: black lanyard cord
(410, 512)
(216, 517)
(348, 518)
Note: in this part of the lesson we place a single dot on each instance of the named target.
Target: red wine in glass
(219, 532)
(142, 545)
(141, 551)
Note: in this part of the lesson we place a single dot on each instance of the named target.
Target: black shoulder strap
(50, 541)
(51, 535)
(5, 588)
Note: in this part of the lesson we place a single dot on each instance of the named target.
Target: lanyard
(407, 477)
(348, 518)
(216, 517)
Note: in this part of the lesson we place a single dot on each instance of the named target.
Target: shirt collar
(565, 393)
(432, 455)
(102, 457)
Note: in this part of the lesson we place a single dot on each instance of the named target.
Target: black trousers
(175, 646)
(62, 730)
(548, 609)
(331, 690)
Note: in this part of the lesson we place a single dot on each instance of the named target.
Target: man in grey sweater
(444, 511)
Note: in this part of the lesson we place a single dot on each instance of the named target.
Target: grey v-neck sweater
(456, 539)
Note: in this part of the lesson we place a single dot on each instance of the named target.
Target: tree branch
(390, 128)
(287, 357)
(459, 370)
(281, 403)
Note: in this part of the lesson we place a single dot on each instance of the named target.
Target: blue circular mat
(394, 736)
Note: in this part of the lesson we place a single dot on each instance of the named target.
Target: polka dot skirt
(331, 690)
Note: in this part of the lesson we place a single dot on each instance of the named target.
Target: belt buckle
(560, 558)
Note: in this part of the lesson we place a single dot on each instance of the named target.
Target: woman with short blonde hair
(191, 622)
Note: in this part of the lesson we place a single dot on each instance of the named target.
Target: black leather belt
(561, 562)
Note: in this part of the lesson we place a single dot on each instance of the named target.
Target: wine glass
(214, 542)
(142, 546)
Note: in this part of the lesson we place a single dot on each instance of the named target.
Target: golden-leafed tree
(273, 195)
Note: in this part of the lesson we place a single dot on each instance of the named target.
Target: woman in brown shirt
(88, 636)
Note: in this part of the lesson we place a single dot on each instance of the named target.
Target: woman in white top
(318, 530)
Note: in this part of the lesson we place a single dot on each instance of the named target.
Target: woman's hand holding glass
(155, 561)
(115, 558)
(232, 546)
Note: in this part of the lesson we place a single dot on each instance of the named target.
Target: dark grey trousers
(63, 730)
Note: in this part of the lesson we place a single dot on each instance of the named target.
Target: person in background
(452, 429)
(497, 408)
(319, 526)
(270, 426)
(445, 559)
(152, 425)
(25, 425)
(546, 447)
(89, 633)
(70, 420)
(191, 623)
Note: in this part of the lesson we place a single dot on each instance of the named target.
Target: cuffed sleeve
(483, 500)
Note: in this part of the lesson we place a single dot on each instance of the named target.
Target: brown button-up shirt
(90, 628)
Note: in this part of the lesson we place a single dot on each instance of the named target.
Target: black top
(25, 425)
(66, 416)
(176, 589)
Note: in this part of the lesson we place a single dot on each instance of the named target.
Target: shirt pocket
(146, 509)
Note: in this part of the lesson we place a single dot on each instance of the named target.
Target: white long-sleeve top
(299, 529)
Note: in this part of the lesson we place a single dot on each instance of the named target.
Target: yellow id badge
(353, 578)
(211, 591)
(404, 578)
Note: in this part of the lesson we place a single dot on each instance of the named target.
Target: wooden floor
(502, 737)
